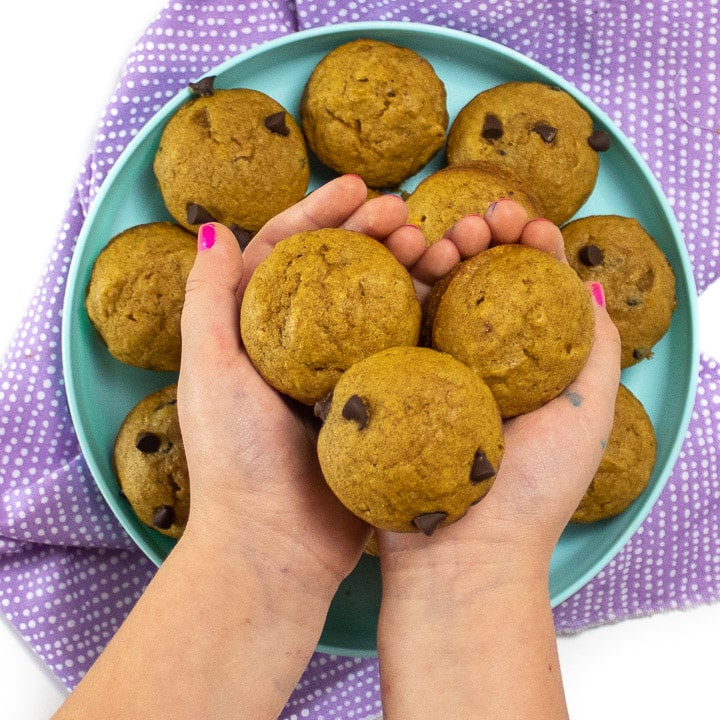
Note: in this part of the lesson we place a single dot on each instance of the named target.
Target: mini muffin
(412, 438)
(638, 280)
(521, 319)
(376, 110)
(447, 195)
(136, 292)
(538, 133)
(321, 301)
(149, 461)
(236, 156)
(627, 463)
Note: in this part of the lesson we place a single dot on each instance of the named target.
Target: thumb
(210, 318)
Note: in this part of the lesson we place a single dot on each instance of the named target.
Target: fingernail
(598, 293)
(493, 206)
(206, 237)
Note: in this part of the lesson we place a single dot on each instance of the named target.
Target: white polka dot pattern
(68, 572)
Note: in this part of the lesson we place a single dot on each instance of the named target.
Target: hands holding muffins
(476, 587)
(267, 542)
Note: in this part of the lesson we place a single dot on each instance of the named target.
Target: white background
(60, 64)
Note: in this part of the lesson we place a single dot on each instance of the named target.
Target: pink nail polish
(206, 237)
(598, 293)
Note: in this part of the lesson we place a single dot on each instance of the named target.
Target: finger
(328, 206)
(470, 235)
(506, 219)
(209, 324)
(378, 217)
(438, 260)
(546, 236)
(407, 244)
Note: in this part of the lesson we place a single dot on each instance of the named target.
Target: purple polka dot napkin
(69, 574)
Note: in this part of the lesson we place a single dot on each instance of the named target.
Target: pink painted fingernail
(206, 237)
(598, 293)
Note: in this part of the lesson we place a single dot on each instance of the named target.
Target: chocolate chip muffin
(447, 195)
(627, 463)
(136, 293)
(374, 109)
(540, 134)
(411, 439)
(236, 156)
(638, 280)
(321, 301)
(149, 460)
(521, 319)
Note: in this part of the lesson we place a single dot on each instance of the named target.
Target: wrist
(412, 566)
(283, 568)
(472, 628)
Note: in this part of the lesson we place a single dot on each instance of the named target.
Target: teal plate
(101, 391)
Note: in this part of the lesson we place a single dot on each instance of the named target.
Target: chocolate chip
(492, 127)
(429, 522)
(482, 468)
(599, 141)
(148, 443)
(197, 214)
(590, 255)
(641, 353)
(242, 235)
(634, 301)
(163, 517)
(547, 132)
(204, 87)
(276, 123)
(322, 407)
(354, 409)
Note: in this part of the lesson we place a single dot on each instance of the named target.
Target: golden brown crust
(223, 153)
(321, 301)
(521, 319)
(637, 278)
(149, 460)
(540, 135)
(627, 463)
(412, 439)
(136, 293)
(374, 109)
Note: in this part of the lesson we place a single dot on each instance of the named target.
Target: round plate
(101, 391)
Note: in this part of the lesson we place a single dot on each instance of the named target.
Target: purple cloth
(70, 573)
